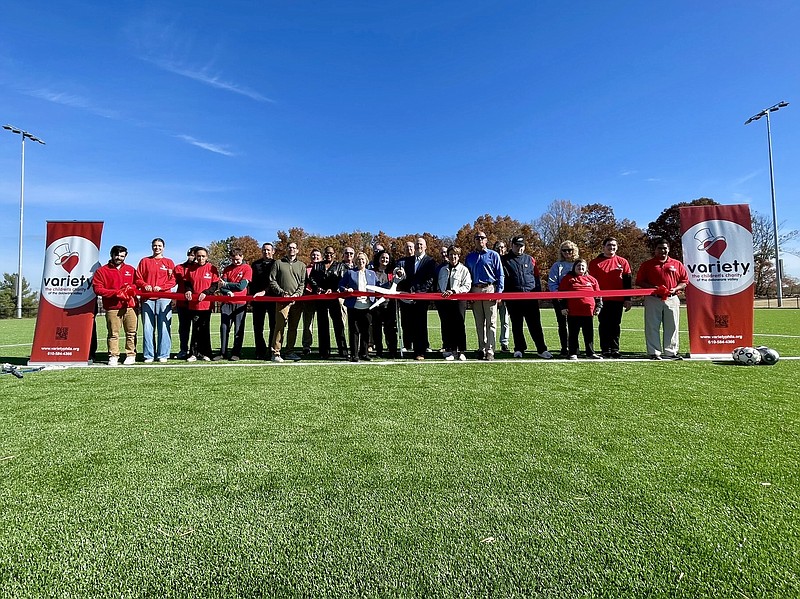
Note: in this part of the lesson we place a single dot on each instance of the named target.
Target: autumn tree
(497, 228)
(668, 225)
(219, 251)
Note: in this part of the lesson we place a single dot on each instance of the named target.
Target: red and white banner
(718, 255)
(67, 302)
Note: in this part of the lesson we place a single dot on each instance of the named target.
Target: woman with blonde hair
(567, 254)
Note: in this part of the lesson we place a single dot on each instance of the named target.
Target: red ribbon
(662, 291)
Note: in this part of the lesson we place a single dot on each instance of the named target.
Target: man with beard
(182, 306)
(114, 282)
(287, 279)
(200, 279)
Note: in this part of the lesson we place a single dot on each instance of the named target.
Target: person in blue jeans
(156, 273)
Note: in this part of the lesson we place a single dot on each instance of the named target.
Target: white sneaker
(206, 359)
(446, 354)
(129, 360)
(162, 360)
(449, 357)
(277, 358)
(191, 359)
(596, 357)
(148, 360)
(462, 358)
(545, 355)
(517, 354)
(573, 357)
(113, 361)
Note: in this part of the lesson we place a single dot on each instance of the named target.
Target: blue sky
(194, 121)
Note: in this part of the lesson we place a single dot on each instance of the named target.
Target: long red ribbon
(543, 295)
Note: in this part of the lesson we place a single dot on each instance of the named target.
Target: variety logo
(713, 244)
(718, 255)
(68, 270)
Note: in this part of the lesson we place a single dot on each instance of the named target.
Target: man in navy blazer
(418, 272)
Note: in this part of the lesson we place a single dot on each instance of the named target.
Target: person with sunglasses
(567, 254)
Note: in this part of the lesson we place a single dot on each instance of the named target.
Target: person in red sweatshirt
(114, 282)
(156, 273)
(579, 311)
(612, 272)
(199, 279)
(234, 281)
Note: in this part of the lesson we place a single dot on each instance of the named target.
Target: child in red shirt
(580, 311)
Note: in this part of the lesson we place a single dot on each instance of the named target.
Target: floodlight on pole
(778, 276)
(24, 135)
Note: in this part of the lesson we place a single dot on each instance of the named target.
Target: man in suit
(417, 272)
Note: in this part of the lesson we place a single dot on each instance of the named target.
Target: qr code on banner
(721, 321)
(62, 333)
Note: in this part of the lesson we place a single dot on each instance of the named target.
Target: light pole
(778, 277)
(23, 134)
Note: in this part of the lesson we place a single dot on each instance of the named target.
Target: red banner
(718, 255)
(67, 302)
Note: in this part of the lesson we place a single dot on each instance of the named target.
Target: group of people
(372, 321)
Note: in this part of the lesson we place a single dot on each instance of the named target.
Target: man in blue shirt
(487, 277)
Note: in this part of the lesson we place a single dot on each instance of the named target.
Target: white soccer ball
(746, 356)
(768, 355)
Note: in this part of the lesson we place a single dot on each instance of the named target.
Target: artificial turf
(617, 479)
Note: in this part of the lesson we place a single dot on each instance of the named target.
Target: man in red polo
(612, 272)
(667, 277)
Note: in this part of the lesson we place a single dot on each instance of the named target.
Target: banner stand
(718, 255)
(67, 303)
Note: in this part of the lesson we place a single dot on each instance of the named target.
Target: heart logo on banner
(70, 262)
(717, 247)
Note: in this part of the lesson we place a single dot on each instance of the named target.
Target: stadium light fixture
(778, 275)
(25, 135)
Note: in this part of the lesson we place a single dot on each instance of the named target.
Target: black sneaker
(616, 355)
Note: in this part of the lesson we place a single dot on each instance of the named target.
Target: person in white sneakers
(114, 282)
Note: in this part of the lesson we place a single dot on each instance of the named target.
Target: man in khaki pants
(287, 279)
(114, 282)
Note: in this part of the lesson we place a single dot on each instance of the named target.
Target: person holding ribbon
(580, 311)
(156, 273)
(667, 277)
(114, 283)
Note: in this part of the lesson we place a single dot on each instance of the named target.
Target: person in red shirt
(234, 281)
(668, 277)
(579, 311)
(182, 306)
(612, 272)
(114, 282)
(200, 278)
(156, 273)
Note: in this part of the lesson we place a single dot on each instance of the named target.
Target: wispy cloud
(205, 76)
(653, 180)
(68, 99)
(746, 178)
(627, 173)
(216, 148)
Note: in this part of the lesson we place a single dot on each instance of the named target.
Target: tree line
(586, 225)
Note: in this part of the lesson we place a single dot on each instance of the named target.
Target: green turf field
(552, 479)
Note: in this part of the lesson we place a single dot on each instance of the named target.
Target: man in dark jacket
(325, 278)
(259, 287)
(417, 274)
(522, 275)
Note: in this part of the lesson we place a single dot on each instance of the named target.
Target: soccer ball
(768, 356)
(746, 356)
